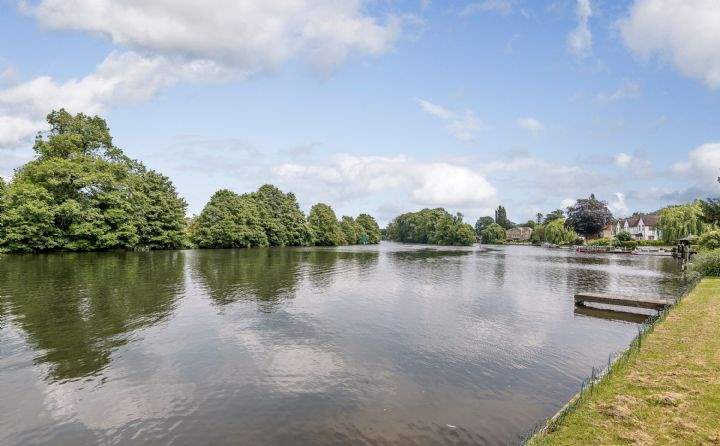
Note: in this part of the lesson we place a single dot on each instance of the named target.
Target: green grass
(665, 392)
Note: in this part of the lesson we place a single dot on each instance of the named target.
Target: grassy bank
(667, 391)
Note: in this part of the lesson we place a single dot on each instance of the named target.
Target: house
(608, 231)
(519, 234)
(641, 227)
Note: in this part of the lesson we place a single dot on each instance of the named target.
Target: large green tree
(229, 220)
(351, 230)
(284, 222)
(482, 223)
(588, 216)
(82, 193)
(370, 228)
(493, 234)
(432, 226)
(680, 221)
(324, 225)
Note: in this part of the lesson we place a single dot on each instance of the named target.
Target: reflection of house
(641, 227)
(519, 234)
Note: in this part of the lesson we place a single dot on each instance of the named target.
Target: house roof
(648, 220)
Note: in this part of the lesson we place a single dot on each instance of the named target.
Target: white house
(641, 227)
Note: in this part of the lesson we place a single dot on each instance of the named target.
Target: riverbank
(666, 391)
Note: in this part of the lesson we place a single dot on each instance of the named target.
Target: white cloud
(579, 40)
(463, 125)
(566, 203)
(618, 205)
(249, 35)
(628, 90)
(532, 125)
(424, 183)
(120, 78)
(623, 159)
(503, 7)
(682, 32)
(703, 163)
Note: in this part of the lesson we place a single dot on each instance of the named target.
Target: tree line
(82, 193)
(431, 226)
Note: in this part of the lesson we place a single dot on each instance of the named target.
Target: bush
(710, 240)
(630, 244)
(623, 236)
(651, 243)
(493, 234)
(706, 263)
(600, 242)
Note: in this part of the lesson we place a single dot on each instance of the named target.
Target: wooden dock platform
(652, 303)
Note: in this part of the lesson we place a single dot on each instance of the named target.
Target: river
(388, 344)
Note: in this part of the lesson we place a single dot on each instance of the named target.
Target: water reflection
(76, 308)
(389, 344)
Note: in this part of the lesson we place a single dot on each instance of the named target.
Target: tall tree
(285, 223)
(501, 217)
(432, 226)
(539, 217)
(554, 215)
(324, 225)
(350, 230)
(369, 228)
(588, 216)
(482, 223)
(160, 210)
(229, 220)
(681, 221)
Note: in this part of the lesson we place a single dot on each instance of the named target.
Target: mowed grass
(667, 392)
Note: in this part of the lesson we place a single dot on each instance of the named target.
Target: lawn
(666, 392)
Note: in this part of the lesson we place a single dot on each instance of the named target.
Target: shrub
(493, 234)
(651, 243)
(706, 263)
(710, 240)
(600, 242)
(630, 244)
(623, 236)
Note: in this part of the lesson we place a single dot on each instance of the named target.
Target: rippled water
(367, 345)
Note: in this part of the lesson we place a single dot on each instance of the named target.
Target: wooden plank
(638, 302)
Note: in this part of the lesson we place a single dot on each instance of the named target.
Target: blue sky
(384, 106)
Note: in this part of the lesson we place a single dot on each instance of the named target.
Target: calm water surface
(390, 344)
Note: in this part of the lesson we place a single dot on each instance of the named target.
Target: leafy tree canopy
(588, 216)
(324, 226)
(482, 223)
(370, 228)
(229, 220)
(81, 193)
(431, 226)
(680, 221)
(493, 234)
(554, 215)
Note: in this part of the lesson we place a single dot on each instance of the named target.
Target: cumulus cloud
(463, 125)
(579, 40)
(618, 205)
(532, 125)
(703, 164)
(629, 90)
(424, 183)
(121, 78)
(639, 164)
(681, 32)
(249, 35)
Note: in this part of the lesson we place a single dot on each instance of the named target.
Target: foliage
(432, 226)
(350, 230)
(600, 242)
(623, 236)
(493, 234)
(370, 228)
(651, 243)
(284, 222)
(557, 233)
(588, 216)
(625, 244)
(554, 215)
(482, 223)
(710, 240)
(537, 236)
(501, 218)
(530, 224)
(324, 226)
(81, 193)
(711, 211)
(706, 263)
(229, 220)
(680, 221)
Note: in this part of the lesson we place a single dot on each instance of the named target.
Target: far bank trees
(431, 226)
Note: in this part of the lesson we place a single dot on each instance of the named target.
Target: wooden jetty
(652, 303)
